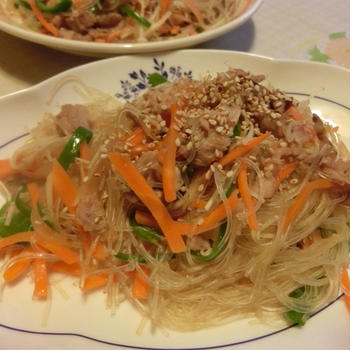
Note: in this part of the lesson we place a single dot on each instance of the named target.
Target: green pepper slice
(155, 79)
(130, 257)
(71, 150)
(61, 6)
(129, 12)
(146, 233)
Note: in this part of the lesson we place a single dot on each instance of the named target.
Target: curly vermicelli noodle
(142, 21)
(261, 202)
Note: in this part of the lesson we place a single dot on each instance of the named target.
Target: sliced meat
(80, 23)
(72, 116)
(108, 20)
(90, 214)
(208, 147)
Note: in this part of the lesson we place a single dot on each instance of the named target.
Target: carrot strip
(169, 162)
(243, 188)
(134, 141)
(146, 219)
(217, 215)
(52, 29)
(95, 281)
(114, 35)
(294, 113)
(140, 285)
(64, 253)
(286, 171)
(99, 252)
(195, 10)
(64, 186)
(34, 192)
(40, 278)
(302, 197)
(16, 238)
(84, 150)
(163, 7)
(68, 269)
(16, 269)
(171, 229)
(6, 169)
(174, 30)
(241, 150)
(346, 285)
(200, 204)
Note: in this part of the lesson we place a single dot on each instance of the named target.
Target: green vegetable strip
(237, 130)
(129, 12)
(61, 6)
(21, 206)
(156, 79)
(130, 257)
(146, 233)
(296, 317)
(71, 150)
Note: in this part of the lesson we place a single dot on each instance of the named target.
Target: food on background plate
(124, 21)
(200, 202)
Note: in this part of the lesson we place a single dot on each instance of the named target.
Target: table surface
(297, 29)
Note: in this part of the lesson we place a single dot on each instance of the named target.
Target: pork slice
(91, 214)
(81, 22)
(108, 20)
(72, 116)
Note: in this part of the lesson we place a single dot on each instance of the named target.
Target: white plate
(8, 25)
(79, 320)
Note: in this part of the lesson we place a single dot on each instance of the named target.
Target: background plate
(9, 25)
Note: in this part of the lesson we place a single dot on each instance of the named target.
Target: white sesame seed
(200, 188)
(85, 179)
(177, 142)
(103, 155)
(229, 173)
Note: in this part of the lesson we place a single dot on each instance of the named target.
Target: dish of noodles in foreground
(108, 21)
(222, 197)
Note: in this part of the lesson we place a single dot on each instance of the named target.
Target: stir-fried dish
(122, 20)
(198, 202)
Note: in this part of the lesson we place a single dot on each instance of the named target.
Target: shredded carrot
(346, 285)
(171, 229)
(6, 169)
(294, 113)
(114, 35)
(68, 269)
(84, 150)
(16, 238)
(40, 278)
(163, 7)
(52, 29)
(34, 192)
(140, 285)
(64, 186)
(217, 215)
(302, 197)
(243, 188)
(286, 171)
(200, 204)
(195, 10)
(146, 219)
(169, 162)
(241, 150)
(99, 252)
(64, 253)
(17, 268)
(174, 30)
(244, 8)
(134, 142)
(95, 281)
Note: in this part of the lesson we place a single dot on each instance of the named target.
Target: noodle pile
(279, 175)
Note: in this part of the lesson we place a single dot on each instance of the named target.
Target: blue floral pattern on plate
(139, 79)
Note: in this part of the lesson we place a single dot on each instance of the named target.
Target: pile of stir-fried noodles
(124, 20)
(199, 202)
